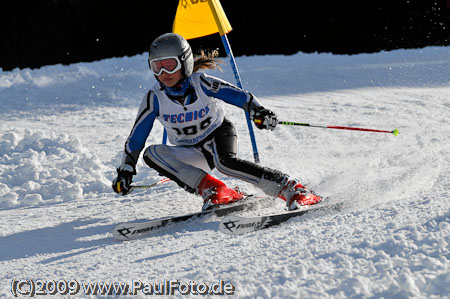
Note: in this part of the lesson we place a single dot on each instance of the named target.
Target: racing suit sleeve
(148, 111)
(229, 93)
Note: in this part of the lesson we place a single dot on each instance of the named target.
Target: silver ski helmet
(172, 44)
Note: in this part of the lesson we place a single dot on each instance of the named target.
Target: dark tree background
(40, 32)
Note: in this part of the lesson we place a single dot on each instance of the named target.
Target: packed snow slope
(62, 131)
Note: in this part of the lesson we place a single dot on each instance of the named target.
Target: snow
(63, 128)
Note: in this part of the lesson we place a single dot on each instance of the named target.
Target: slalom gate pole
(151, 185)
(224, 27)
(164, 140)
(395, 132)
(234, 67)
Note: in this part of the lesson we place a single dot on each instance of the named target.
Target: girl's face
(170, 80)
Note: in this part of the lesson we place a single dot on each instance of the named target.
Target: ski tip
(395, 132)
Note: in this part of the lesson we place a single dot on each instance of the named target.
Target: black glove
(122, 183)
(264, 118)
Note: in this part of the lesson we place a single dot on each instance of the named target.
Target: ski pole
(395, 132)
(151, 185)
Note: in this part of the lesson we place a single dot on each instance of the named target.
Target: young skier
(186, 102)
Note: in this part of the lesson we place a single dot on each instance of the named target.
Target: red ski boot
(296, 195)
(215, 193)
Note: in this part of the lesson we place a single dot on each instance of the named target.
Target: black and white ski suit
(202, 138)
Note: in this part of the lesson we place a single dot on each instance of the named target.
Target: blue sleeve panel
(227, 92)
(143, 125)
(136, 141)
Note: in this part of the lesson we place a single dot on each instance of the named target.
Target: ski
(134, 230)
(237, 225)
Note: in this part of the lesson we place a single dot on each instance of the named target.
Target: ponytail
(207, 61)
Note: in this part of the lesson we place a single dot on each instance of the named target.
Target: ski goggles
(169, 64)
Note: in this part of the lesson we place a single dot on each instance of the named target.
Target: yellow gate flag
(197, 18)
